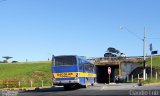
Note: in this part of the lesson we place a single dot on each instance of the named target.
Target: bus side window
(80, 67)
(87, 67)
(91, 67)
(80, 64)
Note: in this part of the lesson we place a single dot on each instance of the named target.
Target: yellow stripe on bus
(73, 74)
(84, 74)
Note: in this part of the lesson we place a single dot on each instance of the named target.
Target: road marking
(103, 88)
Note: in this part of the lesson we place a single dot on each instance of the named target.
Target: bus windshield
(65, 60)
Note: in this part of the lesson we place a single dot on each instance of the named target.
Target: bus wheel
(92, 84)
(76, 86)
(67, 87)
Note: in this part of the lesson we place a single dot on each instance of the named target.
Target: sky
(37, 29)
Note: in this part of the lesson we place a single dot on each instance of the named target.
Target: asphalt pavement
(122, 89)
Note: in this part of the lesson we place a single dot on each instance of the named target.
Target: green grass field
(26, 72)
(155, 61)
(156, 68)
(156, 65)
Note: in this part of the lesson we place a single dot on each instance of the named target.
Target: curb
(26, 88)
(16, 89)
(149, 84)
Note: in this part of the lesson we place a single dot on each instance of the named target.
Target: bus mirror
(53, 60)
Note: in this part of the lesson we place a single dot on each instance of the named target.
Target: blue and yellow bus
(72, 71)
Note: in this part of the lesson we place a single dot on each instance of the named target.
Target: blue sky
(36, 29)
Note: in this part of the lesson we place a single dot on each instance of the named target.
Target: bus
(72, 71)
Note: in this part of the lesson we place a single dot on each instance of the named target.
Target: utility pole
(144, 49)
(144, 55)
(151, 58)
(151, 65)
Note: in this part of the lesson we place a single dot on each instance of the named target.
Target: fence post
(138, 78)
(127, 78)
(156, 75)
(146, 76)
(7, 84)
(31, 83)
(42, 83)
(19, 84)
(132, 78)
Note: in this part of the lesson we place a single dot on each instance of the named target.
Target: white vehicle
(122, 55)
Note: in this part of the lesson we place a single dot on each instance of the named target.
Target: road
(98, 89)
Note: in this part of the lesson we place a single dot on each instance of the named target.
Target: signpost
(151, 48)
(109, 72)
(152, 53)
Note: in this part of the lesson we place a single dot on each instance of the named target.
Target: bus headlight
(53, 79)
(76, 78)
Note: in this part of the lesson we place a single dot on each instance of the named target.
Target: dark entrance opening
(102, 73)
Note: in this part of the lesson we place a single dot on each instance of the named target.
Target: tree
(113, 50)
(7, 58)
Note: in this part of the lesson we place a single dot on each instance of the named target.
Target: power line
(121, 27)
(153, 38)
(144, 48)
(133, 33)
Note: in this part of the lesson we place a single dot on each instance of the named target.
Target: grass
(155, 61)
(38, 71)
(27, 72)
(148, 81)
(155, 65)
(153, 80)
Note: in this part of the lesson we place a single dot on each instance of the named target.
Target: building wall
(127, 68)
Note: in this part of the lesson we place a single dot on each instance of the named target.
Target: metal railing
(22, 84)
